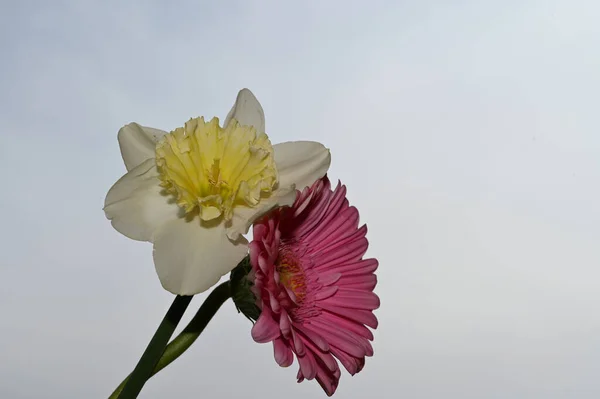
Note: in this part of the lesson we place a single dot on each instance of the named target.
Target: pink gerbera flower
(314, 289)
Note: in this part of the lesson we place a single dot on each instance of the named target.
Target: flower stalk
(189, 334)
(147, 363)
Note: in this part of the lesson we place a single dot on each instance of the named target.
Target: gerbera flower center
(211, 169)
(291, 275)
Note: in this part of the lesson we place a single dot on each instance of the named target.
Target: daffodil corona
(195, 191)
(210, 169)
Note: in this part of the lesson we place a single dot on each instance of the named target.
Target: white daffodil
(194, 191)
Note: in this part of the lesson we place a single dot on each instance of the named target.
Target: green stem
(189, 334)
(155, 349)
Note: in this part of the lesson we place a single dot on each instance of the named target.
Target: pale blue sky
(466, 132)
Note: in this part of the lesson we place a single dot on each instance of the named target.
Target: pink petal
(363, 266)
(312, 337)
(351, 252)
(323, 357)
(345, 224)
(335, 242)
(352, 364)
(340, 339)
(365, 282)
(349, 325)
(283, 354)
(298, 344)
(325, 293)
(355, 299)
(265, 329)
(328, 278)
(284, 325)
(308, 366)
(360, 316)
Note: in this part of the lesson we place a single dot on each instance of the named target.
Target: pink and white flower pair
(195, 191)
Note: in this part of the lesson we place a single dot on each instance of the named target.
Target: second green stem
(190, 333)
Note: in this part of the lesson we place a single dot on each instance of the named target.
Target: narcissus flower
(194, 191)
(313, 287)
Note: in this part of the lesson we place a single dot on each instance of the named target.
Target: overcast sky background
(466, 132)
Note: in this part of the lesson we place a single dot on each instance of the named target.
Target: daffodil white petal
(247, 111)
(135, 205)
(190, 258)
(244, 216)
(301, 163)
(138, 143)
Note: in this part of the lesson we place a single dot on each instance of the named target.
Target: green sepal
(241, 290)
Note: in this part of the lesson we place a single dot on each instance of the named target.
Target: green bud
(241, 290)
